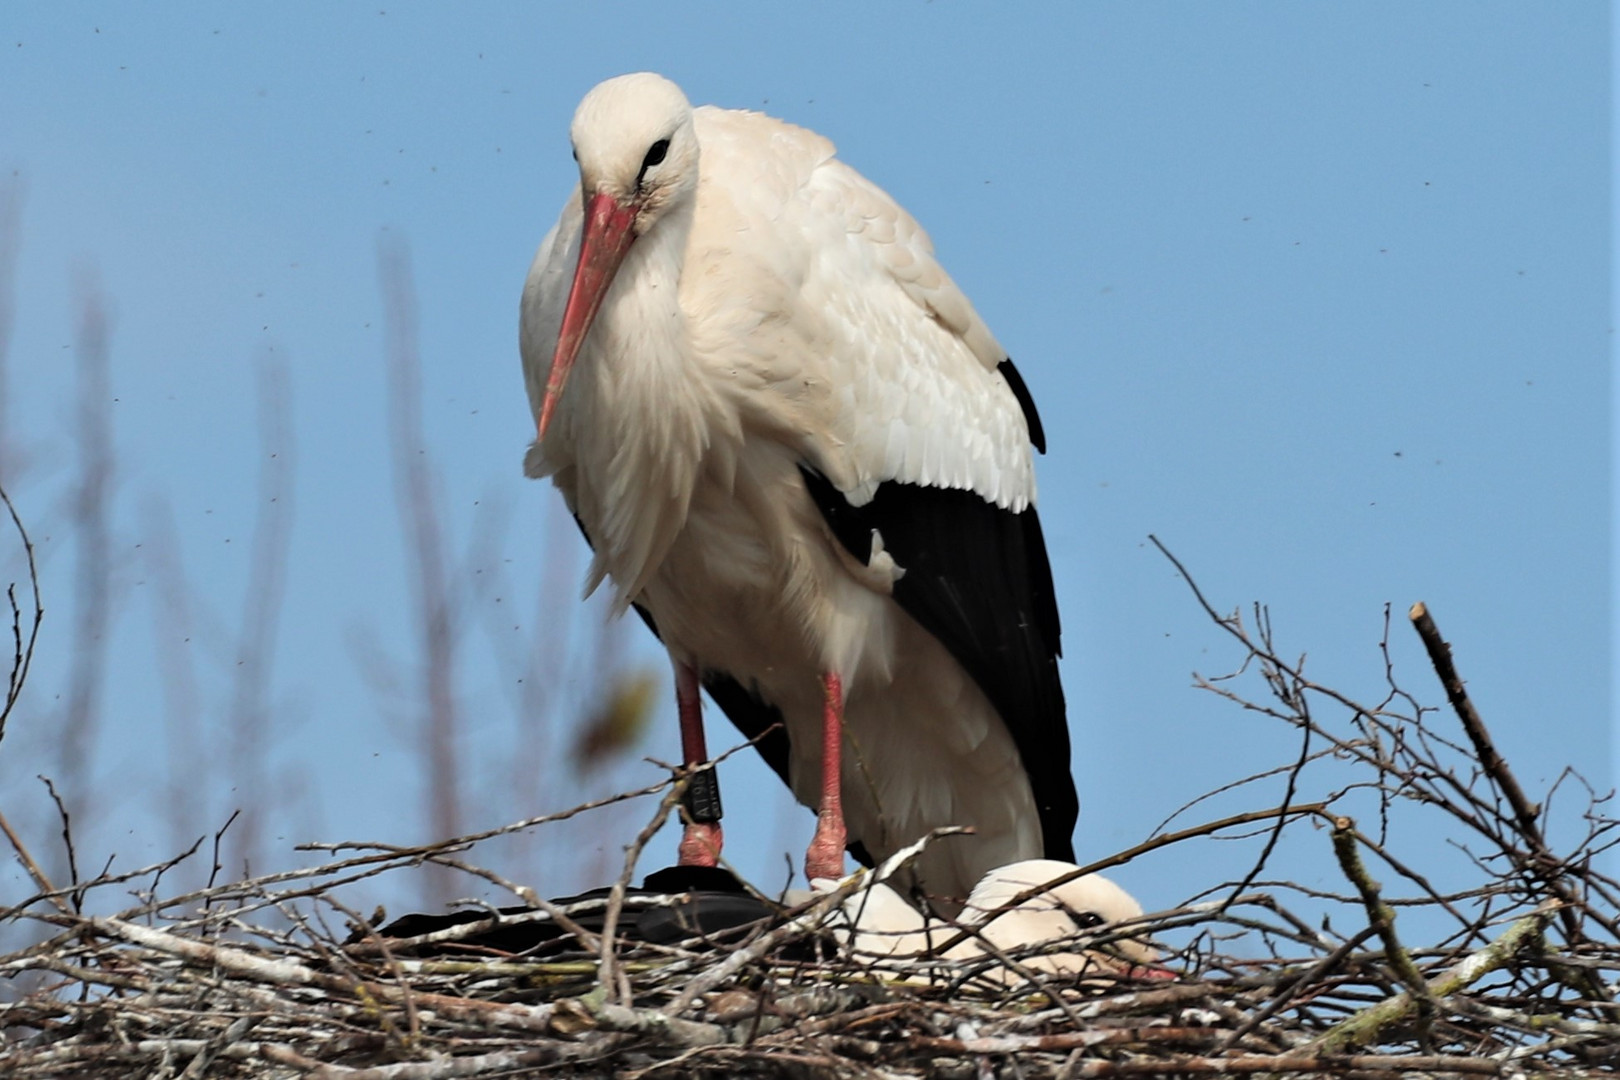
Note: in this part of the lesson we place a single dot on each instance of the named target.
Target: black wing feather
(1015, 381)
(978, 579)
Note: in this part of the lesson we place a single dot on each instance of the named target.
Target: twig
(501, 1063)
(22, 645)
(76, 891)
(632, 853)
(1545, 865)
(32, 867)
(283, 972)
(1307, 981)
(591, 1011)
(1491, 761)
(198, 1067)
(1070, 1040)
(1411, 1064)
(1371, 1024)
(1289, 790)
(219, 835)
(407, 999)
(1382, 920)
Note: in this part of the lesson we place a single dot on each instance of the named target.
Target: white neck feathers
(642, 414)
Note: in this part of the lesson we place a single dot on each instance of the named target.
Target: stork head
(638, 160)
(1087, 903)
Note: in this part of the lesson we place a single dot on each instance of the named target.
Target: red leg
(825, 859)
(700, 843)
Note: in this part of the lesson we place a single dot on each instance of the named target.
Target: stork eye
(576, 157)
(655, 154)
(1088, 920)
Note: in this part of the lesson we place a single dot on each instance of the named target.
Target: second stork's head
(638, 160)
(1068, 912)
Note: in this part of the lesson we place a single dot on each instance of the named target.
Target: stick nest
(1516, 976)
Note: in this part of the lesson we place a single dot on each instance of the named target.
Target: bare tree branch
(252, 717)
(416, 495)
(22, 641)
(91, 513)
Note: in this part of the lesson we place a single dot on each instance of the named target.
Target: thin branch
(1382, 920)
(416, 494)
(22, 642)
(33, 868)
(1440, 656)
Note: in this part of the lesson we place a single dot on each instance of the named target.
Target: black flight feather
(1015, 381)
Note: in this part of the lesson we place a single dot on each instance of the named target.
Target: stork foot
(700, 844)
(825, 859)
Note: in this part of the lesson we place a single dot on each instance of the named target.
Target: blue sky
(1319, 295)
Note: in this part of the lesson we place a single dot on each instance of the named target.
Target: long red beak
(1139, 971)
(602, 247)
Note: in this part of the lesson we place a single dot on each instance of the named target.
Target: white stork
(877, 922)
(1077, 908)
(798, 451)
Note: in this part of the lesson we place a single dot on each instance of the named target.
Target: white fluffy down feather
(878, 922)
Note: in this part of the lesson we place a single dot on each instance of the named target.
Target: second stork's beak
(602, 246)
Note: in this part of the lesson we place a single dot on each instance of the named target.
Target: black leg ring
(702, 800)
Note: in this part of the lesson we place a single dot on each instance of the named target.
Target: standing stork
(797, 450)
